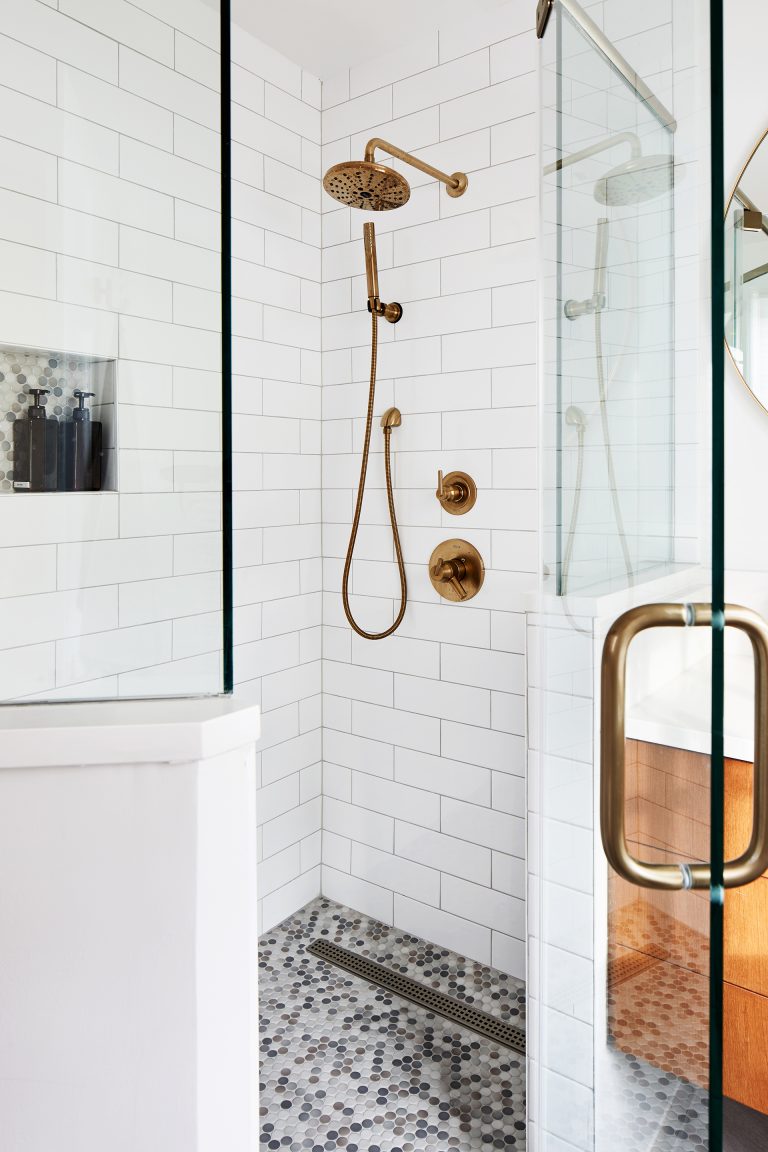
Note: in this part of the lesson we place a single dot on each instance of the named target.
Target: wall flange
(457, 493)
(456, 570)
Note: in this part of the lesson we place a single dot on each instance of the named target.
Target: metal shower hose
(359, 505)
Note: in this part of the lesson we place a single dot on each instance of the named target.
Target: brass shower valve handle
(456, 570)
(457, 493)
(452, 572)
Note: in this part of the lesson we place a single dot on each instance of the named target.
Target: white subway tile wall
(110, 147)
(277, 466)
(424, 733)
(112, 160)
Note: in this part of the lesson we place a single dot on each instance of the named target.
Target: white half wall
(128, 903)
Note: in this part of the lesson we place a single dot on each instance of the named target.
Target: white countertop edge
(125, 731)
(693, 740)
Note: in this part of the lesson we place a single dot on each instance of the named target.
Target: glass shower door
(626, 642)
(115, 365)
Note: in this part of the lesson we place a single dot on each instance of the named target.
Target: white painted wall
(746, 118)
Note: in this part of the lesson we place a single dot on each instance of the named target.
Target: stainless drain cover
(454, 1010)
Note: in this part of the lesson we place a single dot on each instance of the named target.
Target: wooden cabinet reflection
(658, 996)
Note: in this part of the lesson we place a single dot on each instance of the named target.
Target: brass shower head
(377, 188)
(372, 187)
(635, 181)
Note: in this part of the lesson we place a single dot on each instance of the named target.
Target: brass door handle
(753, 862)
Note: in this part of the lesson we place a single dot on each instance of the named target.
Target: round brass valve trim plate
(456, 570)
(457, 493)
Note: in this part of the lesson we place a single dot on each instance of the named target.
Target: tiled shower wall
(109, 200)
(423, 802)
(424, 762)
(109, 236)
(276, 439)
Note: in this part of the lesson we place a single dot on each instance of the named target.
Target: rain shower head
(362, 184)
(378, 188)
(636, 180)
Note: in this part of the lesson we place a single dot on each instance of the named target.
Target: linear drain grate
(631, 965)
(454, 1010)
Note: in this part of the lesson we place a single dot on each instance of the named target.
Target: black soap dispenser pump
(81, 444)
(35, 448)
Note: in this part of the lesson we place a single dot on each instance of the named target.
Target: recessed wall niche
(75, 462)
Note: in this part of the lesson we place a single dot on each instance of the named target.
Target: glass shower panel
(112, 513)
(616, 424)
(746, 298)
(620, 987)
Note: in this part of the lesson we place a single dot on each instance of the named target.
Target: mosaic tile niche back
(77, 394)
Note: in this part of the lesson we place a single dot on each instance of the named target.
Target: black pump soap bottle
(80, 449)
(35, 448)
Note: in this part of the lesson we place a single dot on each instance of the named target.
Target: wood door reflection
(658, 995)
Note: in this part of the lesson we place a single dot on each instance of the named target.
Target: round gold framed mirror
(746, 273)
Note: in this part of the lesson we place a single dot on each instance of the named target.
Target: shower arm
(594, 150)
(456, 183)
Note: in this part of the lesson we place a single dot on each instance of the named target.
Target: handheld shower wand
(391, 312)
(574, 417)
(573, 309)
(391, 419)
(371, 264)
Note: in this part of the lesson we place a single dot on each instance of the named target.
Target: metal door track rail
(464, 1015)
(609, 52)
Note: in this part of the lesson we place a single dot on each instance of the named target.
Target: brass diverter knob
(456, 570)
(457, 493)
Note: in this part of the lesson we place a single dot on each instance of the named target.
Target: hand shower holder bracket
(573, 309)
(390, 312)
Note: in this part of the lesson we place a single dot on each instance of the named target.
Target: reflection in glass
(746, 274)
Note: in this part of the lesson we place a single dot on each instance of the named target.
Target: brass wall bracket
(456, 570)
(543, 13)
(391, 312)
(457, 493)
(392, 418)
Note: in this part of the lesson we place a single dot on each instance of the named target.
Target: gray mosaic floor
(345, 1065)
(647, 1110)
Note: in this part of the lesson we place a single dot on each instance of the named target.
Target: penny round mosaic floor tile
(348, 1066)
